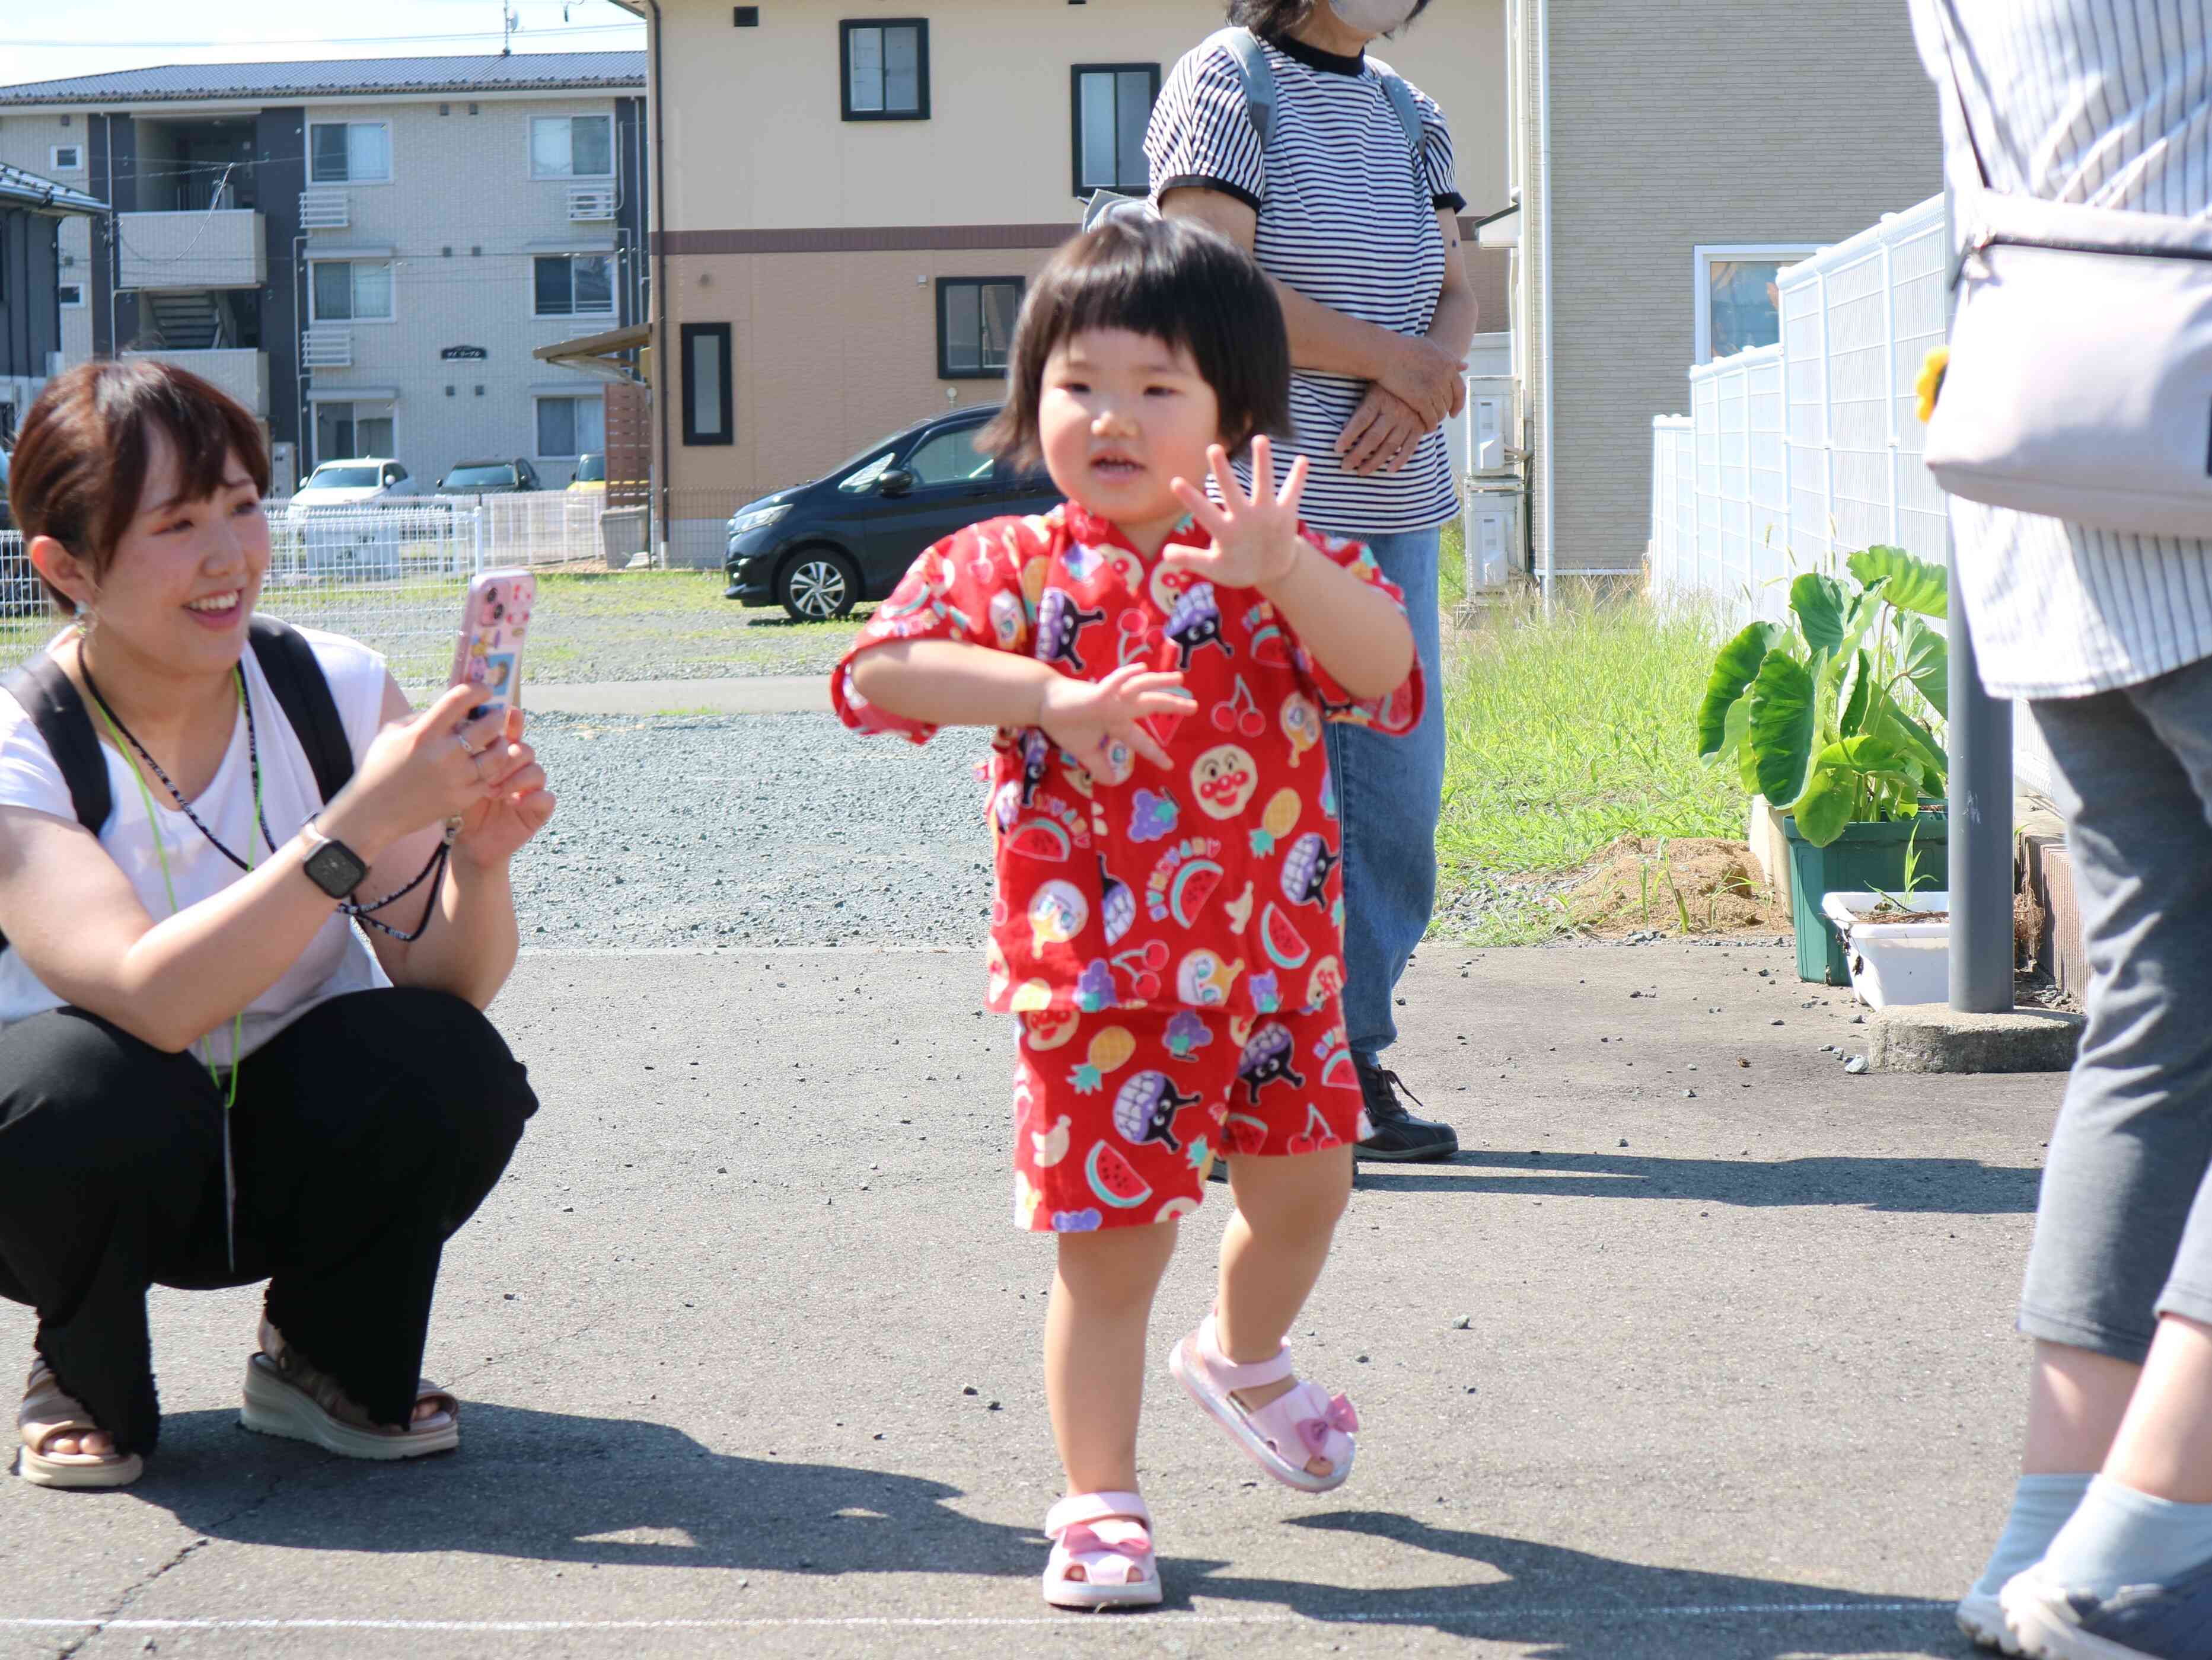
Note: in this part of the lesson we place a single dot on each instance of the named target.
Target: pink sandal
(1280, 1437)
(1108, 1535)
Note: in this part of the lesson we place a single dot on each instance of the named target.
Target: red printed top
(1212, 883)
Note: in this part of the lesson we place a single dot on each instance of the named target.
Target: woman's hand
(1256, 534)
(519, 807)
(1425, 377)
(435, 765)
(1087, 717)
(1382, 434)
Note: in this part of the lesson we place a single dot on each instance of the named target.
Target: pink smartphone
(494, 621)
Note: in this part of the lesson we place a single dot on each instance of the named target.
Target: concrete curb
(1932, 1037)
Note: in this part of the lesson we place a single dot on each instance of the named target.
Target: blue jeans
(1389, 791)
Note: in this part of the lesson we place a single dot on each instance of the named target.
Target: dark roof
(334, 77)
(29, 189)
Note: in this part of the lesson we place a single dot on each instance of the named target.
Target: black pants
(364, 1135)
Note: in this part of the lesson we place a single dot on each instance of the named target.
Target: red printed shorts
(1117, 1115)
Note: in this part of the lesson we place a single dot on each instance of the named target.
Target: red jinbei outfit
(1170, 939)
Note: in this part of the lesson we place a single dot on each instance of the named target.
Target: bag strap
(1946, 25)
(1259, 79)
(288, 665)
(1408, 112)
(49, 697)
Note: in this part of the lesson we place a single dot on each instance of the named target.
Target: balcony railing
(215, 249)
(325, 210)
(327, 348)
(241, 373)
(591, 201)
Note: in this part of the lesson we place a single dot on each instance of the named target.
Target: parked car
(489, 478)
(820, 547)
(349, 484)
(590, 475)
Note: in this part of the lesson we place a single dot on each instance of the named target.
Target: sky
(88, 37)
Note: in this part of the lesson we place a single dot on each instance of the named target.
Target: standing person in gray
(2107, 1552)
(1345, 196)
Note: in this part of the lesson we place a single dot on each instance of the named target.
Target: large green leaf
(1734, 670)
(1819, 603)
(1908, 583)
(1926, 661)
(1783, 718)
(1853, 719)
(1836, 788)
(1917, 742)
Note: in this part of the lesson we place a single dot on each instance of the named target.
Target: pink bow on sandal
(1340, 1419)
(1108, 1537)
(1282, 1437)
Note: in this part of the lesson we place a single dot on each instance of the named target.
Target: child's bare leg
(1272, 1255)
(1094, 1350)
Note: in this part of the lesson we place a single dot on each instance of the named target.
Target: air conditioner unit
(325, 210)
(592, 201)
(1493, 518)
(1493, 421)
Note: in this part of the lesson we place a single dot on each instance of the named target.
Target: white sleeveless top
(337, 960)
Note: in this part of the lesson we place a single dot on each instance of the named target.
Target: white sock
(2040, 1505)
(2121, 1537)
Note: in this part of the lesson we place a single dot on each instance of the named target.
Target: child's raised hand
(1088, 718)
(1256, 534)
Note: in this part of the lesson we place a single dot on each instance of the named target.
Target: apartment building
(35, 214)
(855, 193)
(366, 251)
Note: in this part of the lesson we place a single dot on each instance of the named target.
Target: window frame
(967, 429)
(76, 304)
(1076, 72)
(54, 158)
(390, 262)
(1702, 258)
(530, 147)
(355, 404)
(845, 27)
(693, 437)
(537, 398)
(614, 296)
(944, 369)
(388, 158)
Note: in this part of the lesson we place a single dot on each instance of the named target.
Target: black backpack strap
(49, 697)
(288, 665)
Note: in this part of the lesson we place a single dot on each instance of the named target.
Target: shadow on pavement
(1951, 1187)
(1582, 1607)
(549, 1487)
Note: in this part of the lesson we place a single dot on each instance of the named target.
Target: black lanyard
(253, 756)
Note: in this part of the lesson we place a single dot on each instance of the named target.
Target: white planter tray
(1894, 962)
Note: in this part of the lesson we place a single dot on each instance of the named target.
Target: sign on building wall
(462, 354)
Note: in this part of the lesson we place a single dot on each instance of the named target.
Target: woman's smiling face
(186, 574)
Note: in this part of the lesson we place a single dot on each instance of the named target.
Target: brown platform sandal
(44, 1417)
(286, 1395)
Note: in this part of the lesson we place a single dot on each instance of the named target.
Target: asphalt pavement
(1700, 1350)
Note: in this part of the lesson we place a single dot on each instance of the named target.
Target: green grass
(1562, 735)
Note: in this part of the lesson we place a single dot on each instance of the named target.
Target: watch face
(335, 868)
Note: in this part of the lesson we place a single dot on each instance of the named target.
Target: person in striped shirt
(1357, 229)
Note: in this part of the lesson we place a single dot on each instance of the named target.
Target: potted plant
(1898, 945)
(1836, 722)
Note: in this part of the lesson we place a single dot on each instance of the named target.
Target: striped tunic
(1348, 217)
(2107, 103)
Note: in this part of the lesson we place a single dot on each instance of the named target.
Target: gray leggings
(2124, 1231)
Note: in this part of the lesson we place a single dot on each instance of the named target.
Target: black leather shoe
(1399, 1137)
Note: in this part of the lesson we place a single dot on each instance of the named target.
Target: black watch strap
(332, 866)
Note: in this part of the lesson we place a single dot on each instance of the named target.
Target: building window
(351, 290)
(349, 153)
(1113, 107)
(343, 431)
(975, 325)
(706, 384)
(70, 295)
(885, 69)
(66, 158)
(572, 147)
(570, 427)
(572, 285)
(1737, 305)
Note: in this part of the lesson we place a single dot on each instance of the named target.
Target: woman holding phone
(208, 1076)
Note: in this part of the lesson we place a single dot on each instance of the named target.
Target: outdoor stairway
(188, 322)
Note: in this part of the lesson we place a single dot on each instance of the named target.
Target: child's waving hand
(1255, 535)
(1086, 718)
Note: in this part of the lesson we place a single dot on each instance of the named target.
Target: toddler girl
(1168, 923)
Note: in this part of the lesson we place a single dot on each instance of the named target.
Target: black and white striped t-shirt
(1348, 217)
(2107, 103)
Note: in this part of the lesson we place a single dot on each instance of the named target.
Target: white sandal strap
(1227, 1374)
(1080, 1507)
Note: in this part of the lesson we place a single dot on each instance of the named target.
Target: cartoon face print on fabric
(1224, 779)
(1269, 1057)
(1060, 625)
(1146, 1109)
(1195, 622)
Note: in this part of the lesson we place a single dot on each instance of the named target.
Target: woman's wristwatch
(332, 865)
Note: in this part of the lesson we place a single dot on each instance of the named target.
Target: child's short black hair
(1175, 282)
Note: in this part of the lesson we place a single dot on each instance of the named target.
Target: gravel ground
(754, 830)
(574, 646)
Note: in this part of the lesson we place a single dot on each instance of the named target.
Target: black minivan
(817, 550)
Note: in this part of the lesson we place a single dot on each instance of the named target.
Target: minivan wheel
(817, 585)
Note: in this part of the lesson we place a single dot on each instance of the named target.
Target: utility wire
(204, 44)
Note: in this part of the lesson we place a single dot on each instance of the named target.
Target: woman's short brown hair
(1172, 280)
(80, 462)
(1272, 19)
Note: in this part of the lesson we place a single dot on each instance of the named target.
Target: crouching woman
(208, 1077)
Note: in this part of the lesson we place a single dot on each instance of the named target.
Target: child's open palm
(1089, 719)
(1255, 533)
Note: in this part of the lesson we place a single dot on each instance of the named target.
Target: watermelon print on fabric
(1118, 1115)
(1212, 883)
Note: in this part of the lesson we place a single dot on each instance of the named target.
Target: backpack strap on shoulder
(49, 697)
(1401, 104)
(1259, 80)
(287, 664)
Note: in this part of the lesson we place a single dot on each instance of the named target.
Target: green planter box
(1866, 857)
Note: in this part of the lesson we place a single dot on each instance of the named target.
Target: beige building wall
(820, 240)
(1674, 126)
(27, 140)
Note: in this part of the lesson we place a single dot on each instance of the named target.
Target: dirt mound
(1674, 885)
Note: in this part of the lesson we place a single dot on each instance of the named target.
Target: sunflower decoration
(1929, 386)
